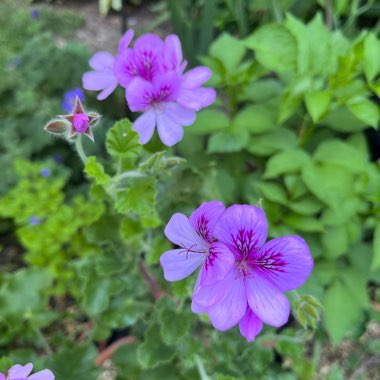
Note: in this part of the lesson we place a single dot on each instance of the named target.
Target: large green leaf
(342, 154)
(256, 119)
(225, 142)
(341, 310)
(289, 161)
(274, 46)
(317, 104)
(331, 184)
(209, 120)
(371, 59)
(228, 50)
(366, 111)
(121, 141)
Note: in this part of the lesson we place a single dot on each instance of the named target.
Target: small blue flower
(58, 158)
(45, 172)
(35, 13)
(69, 97)
(34, 220)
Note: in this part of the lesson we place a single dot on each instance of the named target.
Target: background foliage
(294, 128)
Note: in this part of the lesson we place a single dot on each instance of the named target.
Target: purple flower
(152, 74)
(252, 291)
(45, 172)
(34, 220)
(35, 13)
(157, 100)
(69, 97)
(103, 77)
(198, 248)
(19, 372)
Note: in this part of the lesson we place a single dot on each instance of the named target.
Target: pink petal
(228, 311)
(219, 262)
(196, 308)
(204, 218)
(126, 40)
(172, 52)
(179, 114)
(242, 220)
(138, 94)
(285, 261)
(95, 81)
(144, 125)
(266, 301)
(102, 61)
(18, 371)
(148, 43)
(196, 77)
(250, 326)
(169, 131)
(180, 232)
(179, 263)
(166, 86)
(125, 67)
(42, 375)
(2, 376)
(196, 99)
(206, 296)
(107, 91)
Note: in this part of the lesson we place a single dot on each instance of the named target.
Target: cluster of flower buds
(242, 279)
(152, 73)
(78, 122)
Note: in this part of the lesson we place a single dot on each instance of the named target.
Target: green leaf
(77, 362)
(304, 223)
(342, 120)
(95, 170)
(175, 325)
(339, 153)
(122, 142)
(272, 142)
(154, 351)
(209, 120)
(289, 161)
(371, 59)
(96, 296)
(274, 46)
(366, 111)
(330, 183)
(226, 142)
(341, 311)
(272, 191)
(228, 50)
(305, 206)
(256, 119)
(376, 248)
(334, 242)
(317, 104)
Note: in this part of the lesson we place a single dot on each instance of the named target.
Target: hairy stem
(79, 148)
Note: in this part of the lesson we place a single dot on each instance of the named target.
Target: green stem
(79, 148)
(201, 368)
(277, 15)
(44, 341)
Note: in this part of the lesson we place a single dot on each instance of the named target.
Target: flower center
(81, 122)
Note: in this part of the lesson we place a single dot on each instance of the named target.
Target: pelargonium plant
(242, 278)
(20, 372)
(152, 74)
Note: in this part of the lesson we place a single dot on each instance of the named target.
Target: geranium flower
(103, 77)
(252, 291)
(19, 372)
(78, 122)
(198, 248)
(157, 100)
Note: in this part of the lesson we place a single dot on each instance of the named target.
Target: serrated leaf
(317, 104)
(340, 153)
(122, 142)
(255, 119)
(274, 46)
(289, 161)
(153, 350)
(341, 311)
(95, 170)
(228, 50)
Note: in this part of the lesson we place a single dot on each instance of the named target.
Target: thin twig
(155, 290)
(328, 14)
(112, 348)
